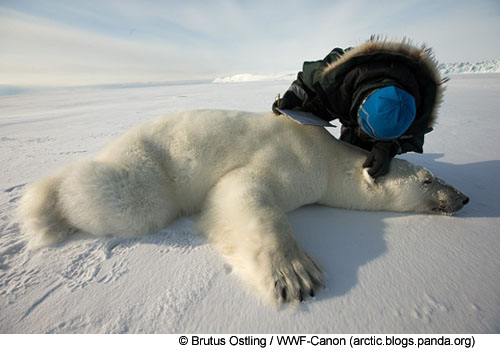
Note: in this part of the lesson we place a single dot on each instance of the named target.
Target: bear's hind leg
(107, 199)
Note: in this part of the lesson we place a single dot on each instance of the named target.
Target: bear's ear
(425, 176)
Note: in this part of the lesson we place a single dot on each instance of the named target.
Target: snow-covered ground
(385, 272)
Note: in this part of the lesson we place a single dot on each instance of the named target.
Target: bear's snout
(450, 200)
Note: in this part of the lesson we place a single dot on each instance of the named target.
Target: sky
(94, 42)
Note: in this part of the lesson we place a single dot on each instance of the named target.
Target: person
(385, 94)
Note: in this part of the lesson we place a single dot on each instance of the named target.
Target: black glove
(288, 101)
(379, 159)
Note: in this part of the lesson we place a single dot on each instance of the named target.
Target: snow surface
(385, 272)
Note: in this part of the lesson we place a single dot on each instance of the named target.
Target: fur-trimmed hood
(422, 56)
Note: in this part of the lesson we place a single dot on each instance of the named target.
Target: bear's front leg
(243, 221)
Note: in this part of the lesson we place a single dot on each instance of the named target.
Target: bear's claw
(296, 278)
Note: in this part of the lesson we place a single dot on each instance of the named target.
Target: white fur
(243, 172)
(368, 178)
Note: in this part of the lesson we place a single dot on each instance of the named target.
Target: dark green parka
(334, 87)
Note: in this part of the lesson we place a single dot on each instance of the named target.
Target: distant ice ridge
(487, 66)
(289, 76)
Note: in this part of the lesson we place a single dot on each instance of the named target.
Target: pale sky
(90, 42)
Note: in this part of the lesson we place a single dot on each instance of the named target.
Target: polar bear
(242, 172)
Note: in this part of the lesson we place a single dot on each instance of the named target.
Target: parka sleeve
(312, 70)
(302, 93)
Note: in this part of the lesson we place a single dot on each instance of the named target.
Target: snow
(385, 272)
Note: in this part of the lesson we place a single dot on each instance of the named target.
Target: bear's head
(408, 187)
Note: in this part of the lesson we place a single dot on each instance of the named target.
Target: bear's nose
(465, 201)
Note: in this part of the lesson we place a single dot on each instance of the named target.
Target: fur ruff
(421, 55)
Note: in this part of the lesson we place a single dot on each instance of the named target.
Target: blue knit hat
(387, 113)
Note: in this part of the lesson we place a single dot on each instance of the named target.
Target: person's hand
(288, 101)
(379, 160)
